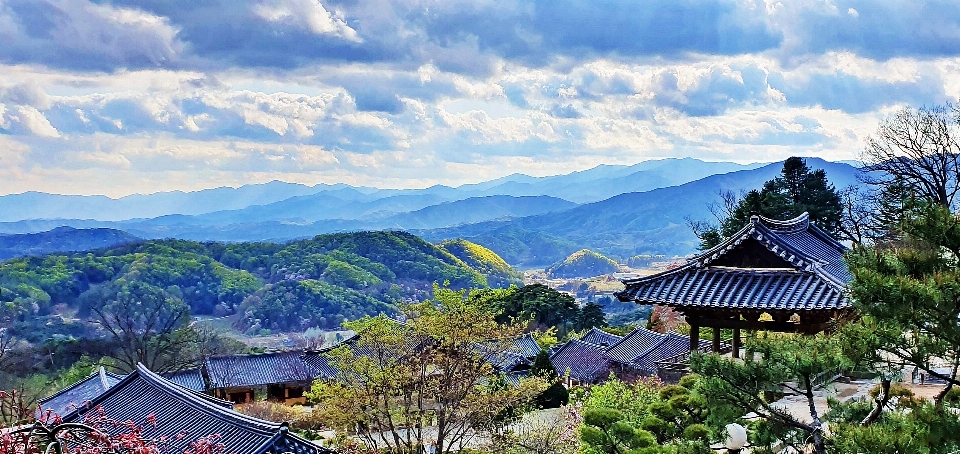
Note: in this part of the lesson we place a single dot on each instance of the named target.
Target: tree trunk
(881, 400)
(938, 400)
(819, 446)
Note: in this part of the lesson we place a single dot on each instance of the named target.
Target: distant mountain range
(619, 211)
(290, 201)
(627, 224)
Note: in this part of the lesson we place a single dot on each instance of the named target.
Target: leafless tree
(920, 148)
(148, 326)
(857, 220)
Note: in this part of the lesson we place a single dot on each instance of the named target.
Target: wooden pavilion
(786, 276)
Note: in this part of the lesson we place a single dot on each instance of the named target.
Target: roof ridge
(798, 223)
(203, 405)
(80, 381)
(625, 338)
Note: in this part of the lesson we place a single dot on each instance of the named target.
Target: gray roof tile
(259, 369)
(816, 281)
(178, 410)
(584, 362)
(601, 337)
(79, 393)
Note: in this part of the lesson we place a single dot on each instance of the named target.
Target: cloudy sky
(125, 96)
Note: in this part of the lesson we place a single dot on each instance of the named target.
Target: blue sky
(130, 96)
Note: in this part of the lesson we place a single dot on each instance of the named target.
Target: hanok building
(786, 276)
(279, 376)
(191, 379)
(598, 354)
(78, 394)
(183, 416)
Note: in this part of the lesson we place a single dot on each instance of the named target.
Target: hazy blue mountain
(61, 239)
(238, 228)
(605, 181)
(633, 223)
(37, 205)
(324, 205)
(475, 209)
(301, 203)
(524, 230)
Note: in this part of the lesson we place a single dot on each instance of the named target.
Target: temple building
(76, 394)
(786, 276)
(182, 416)
(278, 376)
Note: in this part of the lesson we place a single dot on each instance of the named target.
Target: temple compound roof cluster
(786, 276)
(182, 415)
(277, 376)
(598, 353)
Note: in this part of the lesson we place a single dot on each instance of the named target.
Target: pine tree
(795, 191)
(591, 316)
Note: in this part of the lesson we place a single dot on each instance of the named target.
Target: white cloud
(308, 15)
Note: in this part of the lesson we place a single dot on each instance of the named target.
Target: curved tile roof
(191, 379)
(258, 369)
(178, 410)
(79, 393)
(584, 362)
(601, 337)
(673, 344)
(816, 281)
(740, 289)
(634, 344)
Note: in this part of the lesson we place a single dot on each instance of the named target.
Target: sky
(139, 96)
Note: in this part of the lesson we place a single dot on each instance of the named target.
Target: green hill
(583, 263)
(61, 239)
(266, 286)
(497, 271)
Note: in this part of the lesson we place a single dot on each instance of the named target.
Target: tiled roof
(79, 393)
(180, 411)
(634, 344)
(258, 370)
(506, 361)
(584, 362)
(815, 279)
(673, 344)
(740, 288)
(319, 361)
(514, 378)
(601, 337)
(191, 379)
(525, 346)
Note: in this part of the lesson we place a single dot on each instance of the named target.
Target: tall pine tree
(797, 190)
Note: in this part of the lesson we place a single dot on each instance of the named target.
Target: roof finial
(754, 218)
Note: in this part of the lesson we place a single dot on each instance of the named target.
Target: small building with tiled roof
(191, 379)
(581, 362)
(771, 275)
(600, 337)
(525, 346)
(633, 344)
(671, 345)
(284, 376)
(183, 416)
(78, 394)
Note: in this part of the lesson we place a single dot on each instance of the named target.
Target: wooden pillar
(716, 340)
(694, 337)
(736, 342)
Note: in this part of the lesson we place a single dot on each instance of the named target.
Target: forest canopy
(319, 282)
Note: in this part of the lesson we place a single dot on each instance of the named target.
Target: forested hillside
(61, 239)
(583, 263)
(497, 271)
(267, 286)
